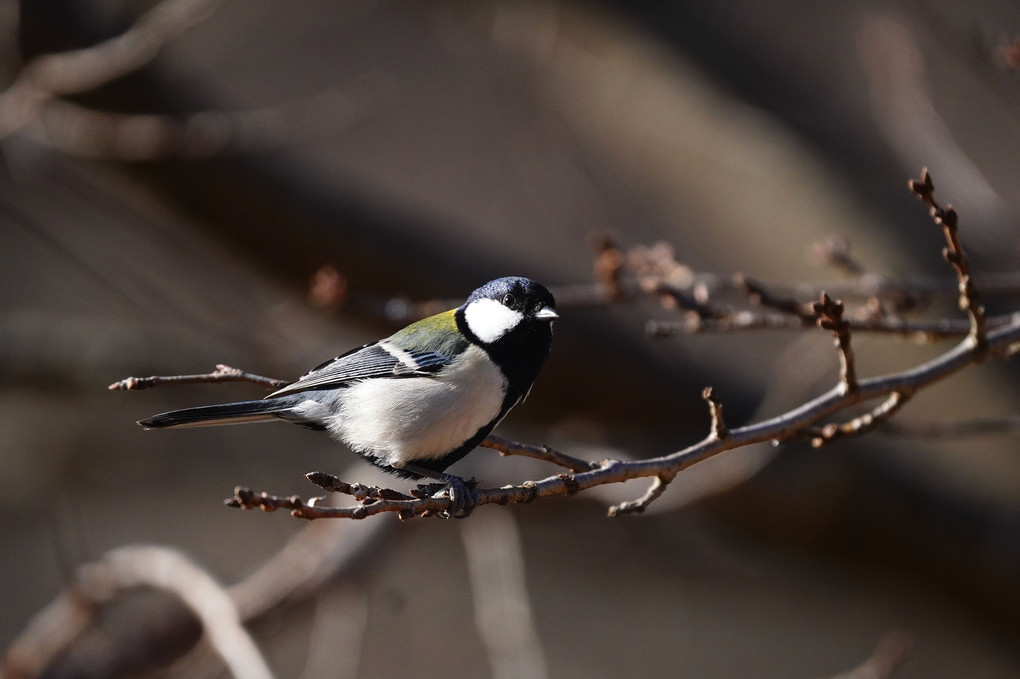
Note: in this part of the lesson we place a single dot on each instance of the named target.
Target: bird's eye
(509, 300)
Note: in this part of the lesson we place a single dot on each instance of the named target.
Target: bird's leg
(463, 498)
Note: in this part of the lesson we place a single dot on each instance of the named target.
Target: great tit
(423, 398)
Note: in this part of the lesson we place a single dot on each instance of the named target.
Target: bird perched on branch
(421, 399)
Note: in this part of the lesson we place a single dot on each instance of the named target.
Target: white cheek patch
(489, 320)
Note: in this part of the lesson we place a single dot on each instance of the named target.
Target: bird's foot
(462, 493)
(463, 497)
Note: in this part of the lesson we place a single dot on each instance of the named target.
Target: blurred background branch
(45, 78)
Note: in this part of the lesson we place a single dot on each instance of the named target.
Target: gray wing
(378, 359)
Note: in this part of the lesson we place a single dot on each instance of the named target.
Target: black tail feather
(240, 412)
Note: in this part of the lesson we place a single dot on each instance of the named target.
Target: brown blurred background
(421, 149)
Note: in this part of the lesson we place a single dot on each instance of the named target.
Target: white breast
(405, 419)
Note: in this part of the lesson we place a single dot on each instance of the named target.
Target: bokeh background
(176, 217)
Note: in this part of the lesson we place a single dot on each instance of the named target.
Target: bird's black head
(503, 307)
(512, 319)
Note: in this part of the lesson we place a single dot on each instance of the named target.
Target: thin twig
(739, 320)
(861, 424)
(759, 294)
(672, 296)
(359, 491)
(745, 320)
(948, 219)
(638, 506)
(718, 428)
(830, 317)
(506, 447)
(223, 373)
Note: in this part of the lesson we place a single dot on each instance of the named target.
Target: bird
(421, 399)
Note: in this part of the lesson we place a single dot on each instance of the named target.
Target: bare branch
(947, 218)
(638, 506)
(719, 429)
(223, 373)
(311, 558)
(358, 491)
(82, 70)
(648, 273)
(861, 424)
(506, 447)
(830, 317)
(75, 129)
(740, 320)
(744, 320)
(672, 296)
(128, 568)
(761, 295)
